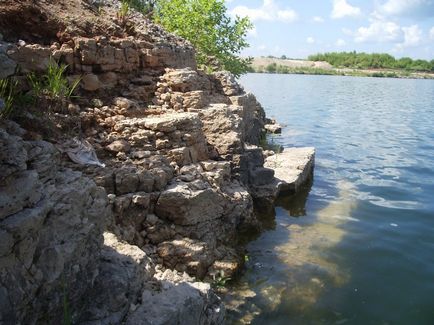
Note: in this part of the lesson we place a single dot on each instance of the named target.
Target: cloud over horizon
(269, 11)
(297, 29)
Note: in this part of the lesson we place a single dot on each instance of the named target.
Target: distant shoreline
(287, 66)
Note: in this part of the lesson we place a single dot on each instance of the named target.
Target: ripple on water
(358, 251)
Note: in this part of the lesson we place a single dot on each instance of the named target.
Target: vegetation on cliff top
(217, 38)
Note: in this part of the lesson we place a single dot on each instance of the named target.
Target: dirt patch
(27, 21)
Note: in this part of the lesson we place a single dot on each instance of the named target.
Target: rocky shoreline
(138, 235)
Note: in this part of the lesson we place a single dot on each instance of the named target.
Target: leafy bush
(217, 38)
(143, 6)
(271, 68)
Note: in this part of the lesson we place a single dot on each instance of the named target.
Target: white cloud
(407, 7)
(431, 34)
(340, 42)
(378, 31)
(396, 7)
(347, 31)
(262, 47)
(286, 15)
(412, 37)
(268, 11)
(318, 19)
(341, 9)
(382, 31)
(310, 40)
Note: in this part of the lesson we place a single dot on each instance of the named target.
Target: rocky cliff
(125, 238)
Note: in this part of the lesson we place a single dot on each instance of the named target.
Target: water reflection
(290, 266)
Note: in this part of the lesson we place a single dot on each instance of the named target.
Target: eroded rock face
(51, 221)
(173, 195)
(7, 65)
(140, 294)
(183, 303)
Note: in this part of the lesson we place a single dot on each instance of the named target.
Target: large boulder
(183, 204)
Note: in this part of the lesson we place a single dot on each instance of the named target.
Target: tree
(218, 39)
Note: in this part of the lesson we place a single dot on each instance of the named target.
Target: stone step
(292, 168)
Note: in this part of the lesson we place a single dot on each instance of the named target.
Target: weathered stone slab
(292, 168)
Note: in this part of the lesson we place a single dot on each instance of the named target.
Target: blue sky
(298, 28)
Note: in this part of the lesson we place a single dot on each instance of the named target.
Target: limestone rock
(273, 128)
(187, 79)
(31, 57)
(119, 146)
(253, 117)
(184, 303)
(223, 128)
(186, 255)
(51, 234)
(90, 82)
(185, 206)
(228, 83)
(292, 167)
(7, 65)
(123, 271)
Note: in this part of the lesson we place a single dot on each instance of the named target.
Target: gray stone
(90, 82)
(261, 176)
(119, 146)
(6, 243)
(223, 128)
(183, 304)
(7, 65)
(21, 192)
(273, 128)
(184, 206)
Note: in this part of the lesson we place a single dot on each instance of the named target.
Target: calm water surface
(358, 246)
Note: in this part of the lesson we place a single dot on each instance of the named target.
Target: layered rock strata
(127, 242)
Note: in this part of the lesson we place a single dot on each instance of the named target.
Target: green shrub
(271, 68)
(143, 6)
(217, 37)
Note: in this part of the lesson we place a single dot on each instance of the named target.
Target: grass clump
(220, 280)
(123, 11)
(8, 96)
(53, 87)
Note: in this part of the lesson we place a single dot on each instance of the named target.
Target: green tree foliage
(143, 6)
(217, 38)
(372, 61)
(271, 68)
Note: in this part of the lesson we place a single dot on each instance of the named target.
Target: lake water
(357, 247)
